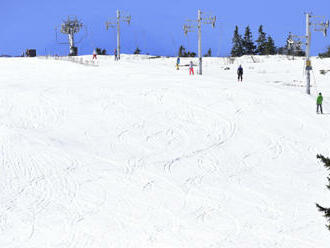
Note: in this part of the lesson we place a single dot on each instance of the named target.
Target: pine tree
(237, 49)
(325, 211)
(300, 52)
(209, 53)
(296, 50)
(98, 51)
(248, 45)
(190, 54)
(282, 50)
(182, 51)
(261, 42)
(270, 48)
(325, 54)
(137, 51)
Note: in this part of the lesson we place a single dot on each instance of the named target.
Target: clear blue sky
(156, 26)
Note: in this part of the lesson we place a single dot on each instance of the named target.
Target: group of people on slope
(191, 66)
(319, 99)
(191, 69)
(115, 53)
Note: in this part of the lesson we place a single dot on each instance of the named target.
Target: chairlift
(290, 41)
(129, 19)
(186, 29)
(325, 29)
(325, 32)
(214, 19)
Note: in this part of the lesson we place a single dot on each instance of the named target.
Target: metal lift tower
(116, 23)
(70, 27)
(294, 40)
(189, 28)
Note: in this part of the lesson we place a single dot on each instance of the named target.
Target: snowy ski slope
(137, 154)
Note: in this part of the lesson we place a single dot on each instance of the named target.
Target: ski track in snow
(137, 154)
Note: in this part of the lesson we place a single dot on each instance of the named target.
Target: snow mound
(138, 154)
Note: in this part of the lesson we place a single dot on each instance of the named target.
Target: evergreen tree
(190, 54)
(282, 50)
(209, 53)
(182, 51)
(261, 42)
(137, 51)
(325, 54)
(297, 50)
(270, 48)
(98, 51)
(237, 49)
(248, 45)
(300, 52)
(325, 211)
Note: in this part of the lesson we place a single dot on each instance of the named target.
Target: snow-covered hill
(137, 154)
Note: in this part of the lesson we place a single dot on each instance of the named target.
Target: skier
(191, 68)
(177, 63)
(319, 101)
(94, 54)
(116, 55)
(240, 73)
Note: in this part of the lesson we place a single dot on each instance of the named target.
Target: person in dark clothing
(116, 54)
(240, 73)
(319, 101)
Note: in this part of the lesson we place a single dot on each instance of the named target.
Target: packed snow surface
(137, 154)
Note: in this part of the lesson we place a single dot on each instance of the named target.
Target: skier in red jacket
(94, 54)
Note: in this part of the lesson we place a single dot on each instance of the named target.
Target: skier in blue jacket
(177, 63)
(240, 73)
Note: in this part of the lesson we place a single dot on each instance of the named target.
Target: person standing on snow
(177, 63)
(116, 55)
(240, 73)
(319, 101)
(94, 54)
(191, 68)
